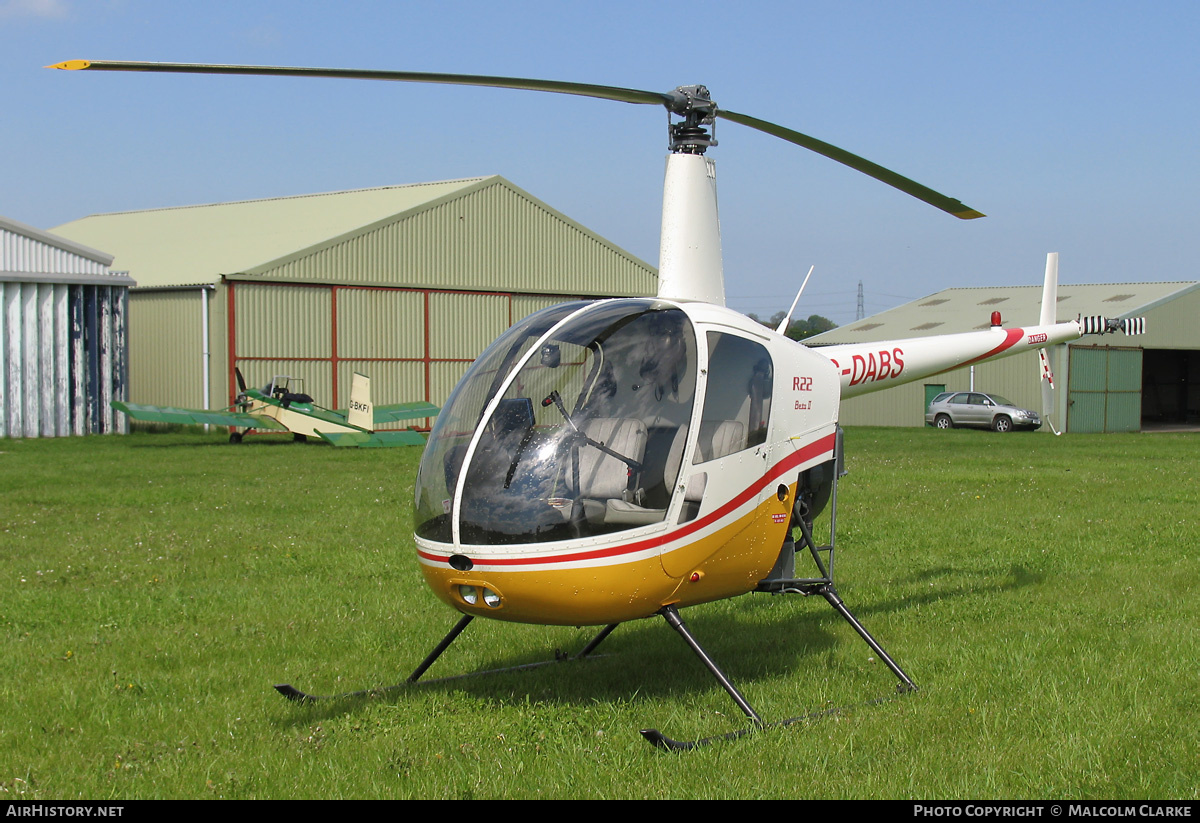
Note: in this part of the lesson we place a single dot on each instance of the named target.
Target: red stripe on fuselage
(1011, 336)
(812, 450)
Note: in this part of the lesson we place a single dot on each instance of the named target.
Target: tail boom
(871, 367)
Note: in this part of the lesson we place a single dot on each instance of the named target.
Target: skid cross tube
(831, 595)
(440, 647)
(660, 740)
(596, 641)
(824, 587)
(671, 615)
(453, 634)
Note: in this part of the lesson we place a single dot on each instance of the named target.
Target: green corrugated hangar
(1103, 384)
(407, 284)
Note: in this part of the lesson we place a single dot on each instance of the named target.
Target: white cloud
(42, 9)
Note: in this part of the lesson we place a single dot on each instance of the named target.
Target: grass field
(1041, 592)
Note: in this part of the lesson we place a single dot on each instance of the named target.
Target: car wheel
(1002, 423)
(943, 421)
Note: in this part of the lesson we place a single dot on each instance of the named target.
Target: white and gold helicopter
(614, 460)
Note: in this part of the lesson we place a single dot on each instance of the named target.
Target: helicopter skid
(297, 696)
(661, 741)
(671, 615)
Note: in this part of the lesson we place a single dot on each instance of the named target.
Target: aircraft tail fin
(1050, 291)
(1048, 318)
(361, 413)
(1047, 390)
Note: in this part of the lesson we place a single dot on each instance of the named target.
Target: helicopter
(615, 460)
(282, 406)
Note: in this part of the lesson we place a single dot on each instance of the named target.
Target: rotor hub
(696, 108)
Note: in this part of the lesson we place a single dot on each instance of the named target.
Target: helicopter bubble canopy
(572, 424)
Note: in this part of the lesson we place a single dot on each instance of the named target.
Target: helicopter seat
(605, 479)
(619, 512)
(664, 453)
(719, 438)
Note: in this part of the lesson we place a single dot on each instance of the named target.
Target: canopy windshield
(563, 430)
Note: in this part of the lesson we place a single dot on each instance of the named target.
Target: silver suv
(972, 408)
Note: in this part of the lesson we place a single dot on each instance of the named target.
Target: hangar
(62, 335)
(1103, 384)
(406, 283)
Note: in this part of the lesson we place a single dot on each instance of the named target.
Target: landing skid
(661, 741)
(810, 493)
(294, 694)
(669, 613)
(781, 580)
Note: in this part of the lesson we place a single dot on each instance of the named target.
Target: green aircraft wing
(405, 411)
(198, 417)
(374, 440)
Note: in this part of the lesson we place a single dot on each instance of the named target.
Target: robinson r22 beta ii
(613, 460)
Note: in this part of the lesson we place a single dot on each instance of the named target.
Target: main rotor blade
(583, 89)
(933, 198)
(673, 102)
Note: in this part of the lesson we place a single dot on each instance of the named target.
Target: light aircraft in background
(615, 460)
(282, 406)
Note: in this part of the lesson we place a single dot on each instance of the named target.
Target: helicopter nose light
(491, 599)
(469, 595)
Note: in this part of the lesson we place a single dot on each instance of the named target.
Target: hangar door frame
(413, 342)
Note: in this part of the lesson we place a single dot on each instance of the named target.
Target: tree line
(798, 329)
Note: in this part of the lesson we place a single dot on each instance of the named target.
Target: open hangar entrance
(1170, 388)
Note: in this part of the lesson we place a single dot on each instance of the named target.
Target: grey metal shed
(62, 335)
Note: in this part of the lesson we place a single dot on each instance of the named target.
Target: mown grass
(1039, 590)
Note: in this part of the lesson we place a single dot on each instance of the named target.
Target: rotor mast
(689, 258)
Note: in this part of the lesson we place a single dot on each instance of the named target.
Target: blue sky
(1072, 125)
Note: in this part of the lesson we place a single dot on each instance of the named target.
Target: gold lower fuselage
(731, 544)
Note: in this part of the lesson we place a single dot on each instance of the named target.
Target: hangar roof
(31, 255)
(191, 245)
(970, 309)
(197, 244)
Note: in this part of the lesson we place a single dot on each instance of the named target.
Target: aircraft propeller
(241, 399)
